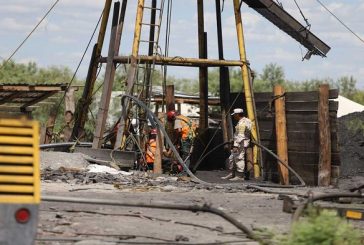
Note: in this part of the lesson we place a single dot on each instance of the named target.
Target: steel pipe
(175, 61)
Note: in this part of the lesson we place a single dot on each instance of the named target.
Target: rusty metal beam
(175, 61)
(284, 21)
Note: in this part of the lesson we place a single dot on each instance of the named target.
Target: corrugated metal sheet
(25, 95)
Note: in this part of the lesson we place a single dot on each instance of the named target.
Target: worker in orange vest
(151, 148)
(186, 133)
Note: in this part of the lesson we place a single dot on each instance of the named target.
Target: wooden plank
(307, 171)
(324, 177)
(294, 96)
(281, 133)
(310, 157)
(170, 104)
(32, 88)
(294, 106)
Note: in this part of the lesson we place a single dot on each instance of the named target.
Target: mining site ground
(65, 223)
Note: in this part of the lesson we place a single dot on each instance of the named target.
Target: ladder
(142, 90)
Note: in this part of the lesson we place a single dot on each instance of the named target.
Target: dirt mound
(351, 142)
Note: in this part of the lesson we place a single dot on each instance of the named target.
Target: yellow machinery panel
(19, 161)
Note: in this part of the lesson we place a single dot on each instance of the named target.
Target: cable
(303, 16)
(337, 18)
(80, 62)
(27, 37)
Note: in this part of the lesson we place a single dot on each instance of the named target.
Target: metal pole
(248, 91)
(203, 75)
(124, 124)
(226, 122)
(175, 61)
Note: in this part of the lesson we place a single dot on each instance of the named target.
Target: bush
(325, 228)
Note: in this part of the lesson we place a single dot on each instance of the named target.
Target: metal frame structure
(267, 8)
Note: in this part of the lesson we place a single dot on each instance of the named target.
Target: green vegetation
(325, 228)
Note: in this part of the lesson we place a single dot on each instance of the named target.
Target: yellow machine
(19, 181)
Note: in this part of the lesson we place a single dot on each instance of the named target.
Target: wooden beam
(157, 166)
(32, 88)
(324, 176)
(108, 82)
(170, 105)
(281, 133)
(170, 100)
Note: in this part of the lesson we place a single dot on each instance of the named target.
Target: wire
(78, 66)
(303, 16)
(27, 37)
(337, 18)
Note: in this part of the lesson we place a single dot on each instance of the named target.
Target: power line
(337, 18)
(21, 44)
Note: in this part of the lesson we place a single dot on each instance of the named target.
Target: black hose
(303, 184)
(156, 123)
(194, 208)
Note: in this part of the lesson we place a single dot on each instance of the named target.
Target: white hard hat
(237, 111)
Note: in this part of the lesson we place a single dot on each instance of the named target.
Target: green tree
(347, 86)
(274, 74)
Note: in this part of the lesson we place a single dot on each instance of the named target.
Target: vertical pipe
(148, 80)
(203, 83)
(226, 122)
(120, 26)
(324, 175)
(84, 103)
(245, 75)
(108, 82)
(138, 28)
(281, 132)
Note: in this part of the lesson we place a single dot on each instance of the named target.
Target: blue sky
(63, 36)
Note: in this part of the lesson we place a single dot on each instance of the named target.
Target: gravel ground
(65, 174)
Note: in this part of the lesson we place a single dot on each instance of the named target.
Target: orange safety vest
(188, 127)
(150, 152)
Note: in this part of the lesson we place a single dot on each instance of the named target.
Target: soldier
(241, 143)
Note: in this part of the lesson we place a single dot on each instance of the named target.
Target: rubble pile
(351, 143)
